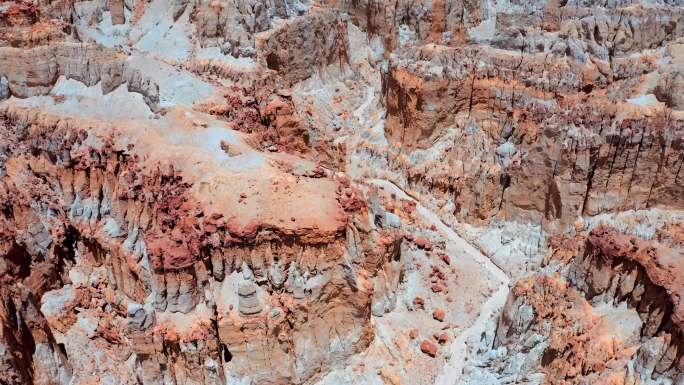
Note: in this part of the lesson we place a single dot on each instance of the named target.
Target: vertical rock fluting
(99, 208)
(218, 192)
(618, 267)
(541, 148)
(32, 72)
(614, 312)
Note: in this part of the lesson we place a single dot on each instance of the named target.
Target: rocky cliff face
(335, 192)
(611, 314)
(554, 138)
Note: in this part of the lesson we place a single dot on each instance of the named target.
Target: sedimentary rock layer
(341, 192)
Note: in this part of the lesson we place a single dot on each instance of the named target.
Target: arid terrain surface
(330, 192)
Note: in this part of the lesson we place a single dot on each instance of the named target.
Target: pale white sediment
(465, 343)
(359, 112)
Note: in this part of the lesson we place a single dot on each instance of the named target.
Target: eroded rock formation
(341, 192)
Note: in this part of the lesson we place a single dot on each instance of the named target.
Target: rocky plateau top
(325, 192)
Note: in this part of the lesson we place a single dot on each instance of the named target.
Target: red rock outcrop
(218, 192)
(547, 143)
(301, 46)
(644, 274)
(428, 348)
(616, 317)
(440, 22)
(140, 222)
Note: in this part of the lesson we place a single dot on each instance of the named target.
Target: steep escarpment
(32, 72)
(308, 43)
(399, 23)
(233, 25)
(549, 139)
(341, 192)
(174, 274)
(608, 314)
(643, 274)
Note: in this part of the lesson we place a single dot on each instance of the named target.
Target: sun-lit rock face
(550, 137)
(612, 315)
(341, 192)
(224, 258)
